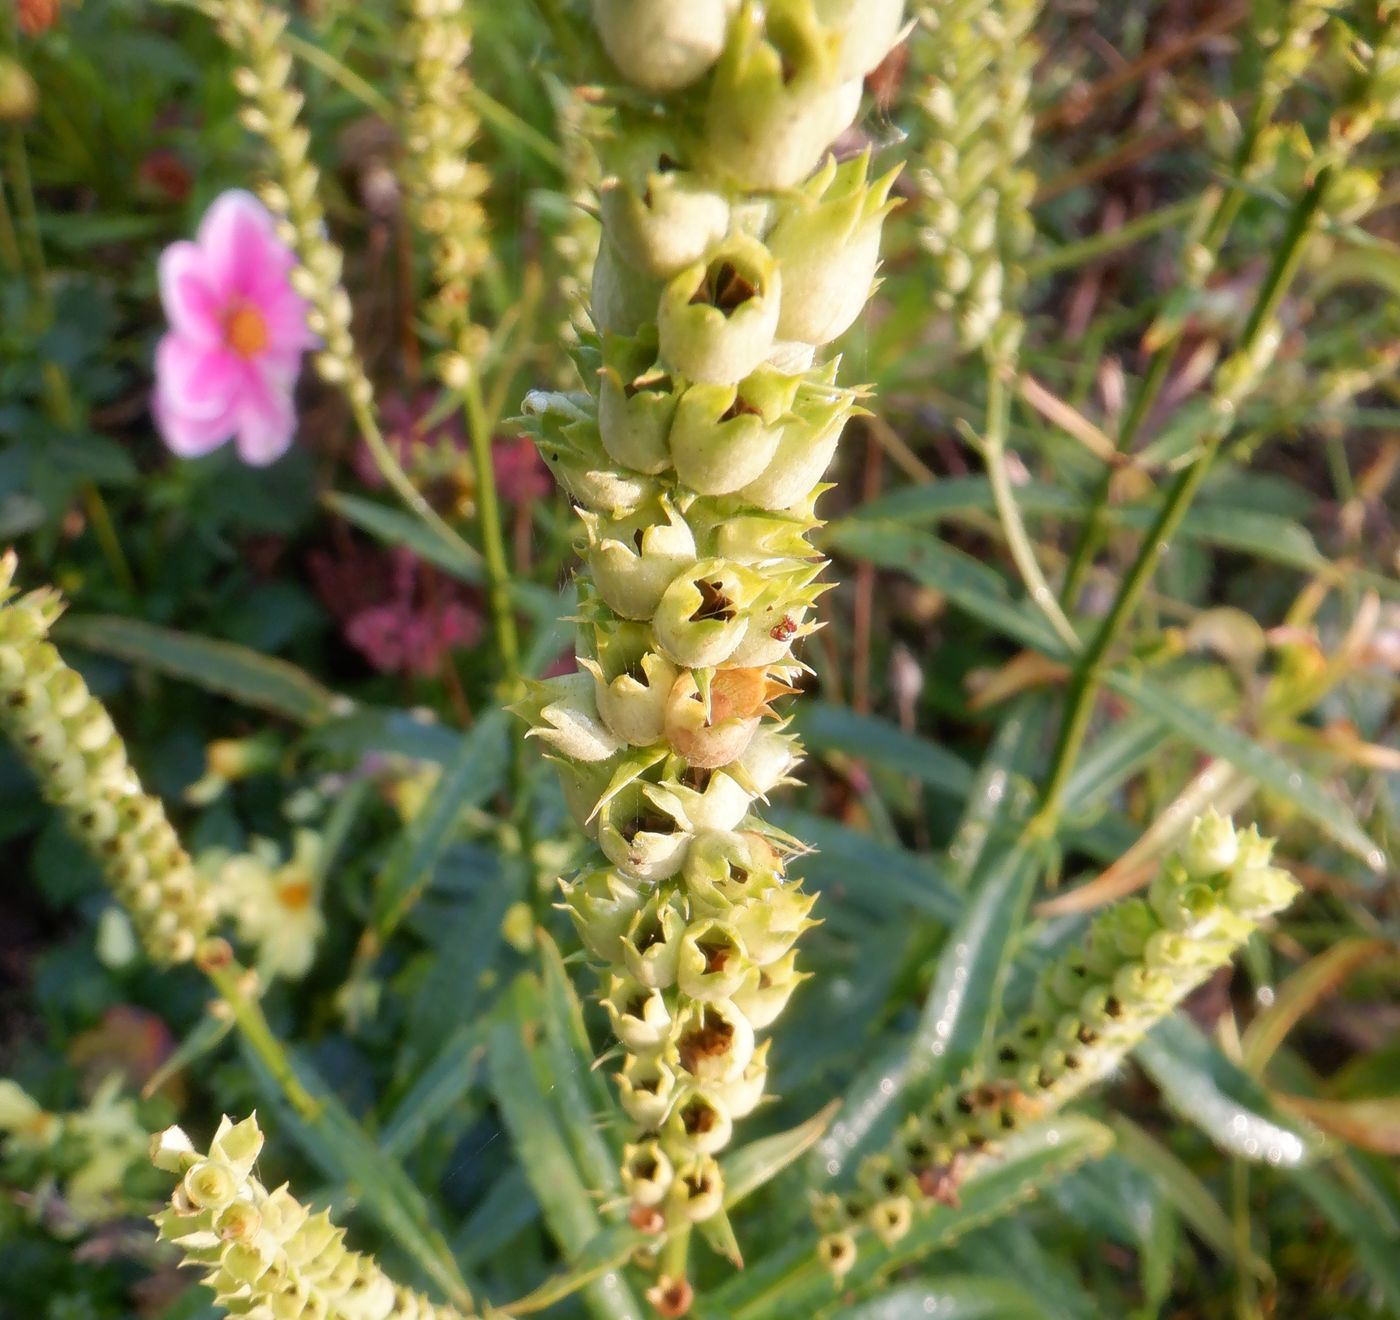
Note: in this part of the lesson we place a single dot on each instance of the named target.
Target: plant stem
(227, 978)
(1022, 551)
(493, 542)
(9, 239)
(17, 167)
(1095, 246)
(1088, 674)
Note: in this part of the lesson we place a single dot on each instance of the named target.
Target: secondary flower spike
(228, 365)
(735, 250)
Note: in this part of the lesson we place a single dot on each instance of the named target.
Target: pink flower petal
(186, 436)
(195, 379)
(267, 420)
(238, 239)
(192, 305)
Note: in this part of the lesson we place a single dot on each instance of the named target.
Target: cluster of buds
(734, 249)
(254, 31)
(443, 184)
(1089, 1008)
(263, 1253)
(976, 218)
(69, 742)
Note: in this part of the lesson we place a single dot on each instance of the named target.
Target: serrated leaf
(467, 781)
(264, 682)
(1272, 771)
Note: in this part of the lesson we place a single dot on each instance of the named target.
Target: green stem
(1022, 551)
(1088, 674)
(9, 238)
(1096, 246)
(31, 246)
(253, 1026)
(493, 541)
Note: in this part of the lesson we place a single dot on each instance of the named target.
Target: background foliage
(443, 1097)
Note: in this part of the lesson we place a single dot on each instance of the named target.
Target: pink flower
(228, 365)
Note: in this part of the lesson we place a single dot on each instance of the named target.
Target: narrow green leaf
(1203, 1087)
(792, 1282)
(467, 781)
(261, 681)
(1194, 1201)
(1111, 758)
(759, 1162)
(543, 1150)
(967, 583)
(1376, 1243)
(828, 728)
(393, 527)
(952, 1297)
(438, 1089)
(607, 1253)
(1274, 772)
(867, 871)
(589, 1112)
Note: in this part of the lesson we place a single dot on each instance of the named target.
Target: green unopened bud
(827, 243)
(564, 428)
(19, 94)
(563, 712)
(636, 402)
(623, 298)
(603, 905)
(717, 317)
(632, 689)
(805, 449)
(1260, 891)
(868, 30)
(662, 47)
(724, 871)
(1211, 846)
(777, 98)
(172, 1150)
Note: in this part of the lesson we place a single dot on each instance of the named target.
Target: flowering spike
(69, 742)
(731, 257)
(1138, 961)
(262, 1252)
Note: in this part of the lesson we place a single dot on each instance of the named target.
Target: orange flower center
(295, 895)
(245, 331)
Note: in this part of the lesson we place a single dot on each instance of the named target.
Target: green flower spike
(263, 1253)
(731, 255)
(68, 740)
(1139, 960)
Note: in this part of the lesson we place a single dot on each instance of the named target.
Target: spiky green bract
(69, 742)
(263, 1253)
(734, 250)
(975, 218)
(1139, 960)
